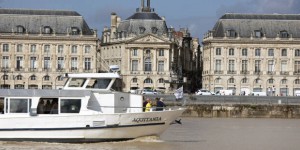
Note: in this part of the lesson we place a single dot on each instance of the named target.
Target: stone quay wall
(236, 106)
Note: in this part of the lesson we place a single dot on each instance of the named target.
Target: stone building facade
(39, 46)
(148, 52)
(253, 52)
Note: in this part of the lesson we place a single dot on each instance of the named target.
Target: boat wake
(150, 139)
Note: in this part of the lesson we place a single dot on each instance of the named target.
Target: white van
(224, 92)
(297, 93)
(258, 94)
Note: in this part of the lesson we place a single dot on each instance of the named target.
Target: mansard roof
(269, 24)
(34, 20)
(146, 20)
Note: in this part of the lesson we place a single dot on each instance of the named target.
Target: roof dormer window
(231, 33)
(142, 30)
(257, 33)
(20, 29)
(284, 34)
(75, 31)
(47, 30)
(154, 30)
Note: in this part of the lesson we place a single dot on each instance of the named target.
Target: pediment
(149, 39)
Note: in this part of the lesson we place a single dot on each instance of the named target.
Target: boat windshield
(99, 83)
(77, 82)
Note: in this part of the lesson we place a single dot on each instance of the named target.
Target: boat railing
(167, 108)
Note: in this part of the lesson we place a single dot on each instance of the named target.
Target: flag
(179, 93)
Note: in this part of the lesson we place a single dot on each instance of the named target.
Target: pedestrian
(148, 105)
(160, 105)
(273, 90)
(269, 91)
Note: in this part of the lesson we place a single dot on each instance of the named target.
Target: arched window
(297, 52)
(297, 81)
(154, 30)
(244, 80)
(148, 65)
(47, 30)
(19, 77)
(33, 77)
(284, 34)
(231, 33)
(142, 30)
(148, 80)
(75, 31)
(161, 80)
(271, 81)
(218, 81)
(46, 78)
(134, 80)
(231, 80)
(20, 29)
(284, 81)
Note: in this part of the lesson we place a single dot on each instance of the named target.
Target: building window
(271, 52)
(87, 49)
(134, 80)
(19, 48)
(244, 52)
(218, 51)
(33, 48)
(284, 34)
(231, 33)
(87, 64)
(154, 30)
(33, 63)
(271, 81)
(231, 80)
(134, 65)
(33, 77)
(47, 62)
(284, 81)
(297, 67)
(142, 30)
(46, 78)
(244, 66)
(5, 48)
(148, 64)
(283, 66)
(218, 81)
(297, 52)
(161, 66)
(60, 49)
(5, 61)
(161, 52)
(231, 52)
(257, 33)
(19, 77)
(257, 52)
(5, 77)
(75, 31)
(231, 66)
(257, 66)
(244, 80)
(47, 49)
(297, 81)
(257, 81)
(148, 80)
(19, 64)
(134, 52)
(284, 52)
(161, 80)
(60, 63)
(74, 49)
(47, 30)
(271, 65)
(74, 63)
(218, 65)
(20, 29)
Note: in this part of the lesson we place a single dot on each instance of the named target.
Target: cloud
(262, 6)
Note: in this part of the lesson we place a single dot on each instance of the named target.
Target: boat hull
(116, 127)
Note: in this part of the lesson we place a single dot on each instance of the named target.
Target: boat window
(77, 82)
(47, 106)
(70, 105)
(99, 83)
(1, 105)
(18, 106)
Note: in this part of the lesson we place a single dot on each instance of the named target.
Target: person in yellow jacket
(148, 105)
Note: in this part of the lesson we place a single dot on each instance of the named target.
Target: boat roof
(93, 75)
(43, 93)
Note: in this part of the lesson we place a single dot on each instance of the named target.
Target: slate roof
(34, 20)
(269, 24)
(148, 20)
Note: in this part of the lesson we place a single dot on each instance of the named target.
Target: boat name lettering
(138, 120)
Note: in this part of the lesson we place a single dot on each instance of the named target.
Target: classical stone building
(253, 52)
(150, 54)
(39, 46)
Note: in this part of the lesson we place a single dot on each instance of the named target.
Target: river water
(197, 134)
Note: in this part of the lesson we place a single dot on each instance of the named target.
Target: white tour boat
(84, 110)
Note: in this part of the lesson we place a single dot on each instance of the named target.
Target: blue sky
(197, 15)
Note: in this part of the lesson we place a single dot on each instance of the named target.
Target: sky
(199, 16)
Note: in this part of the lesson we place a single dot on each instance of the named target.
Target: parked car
(224, 92)
(204, 92)
(148, 91)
